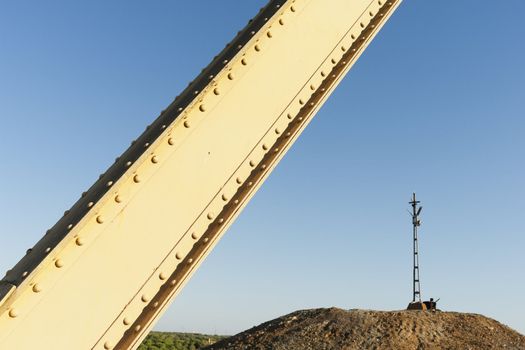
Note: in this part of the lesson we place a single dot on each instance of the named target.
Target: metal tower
(415, 224)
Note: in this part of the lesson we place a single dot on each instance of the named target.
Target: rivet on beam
(13, 313)
(37, 288)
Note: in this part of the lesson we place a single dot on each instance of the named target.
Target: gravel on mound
(334, 328)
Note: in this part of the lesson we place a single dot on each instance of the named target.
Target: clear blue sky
(436, 105)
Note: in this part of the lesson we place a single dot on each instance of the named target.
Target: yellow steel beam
(108, 269)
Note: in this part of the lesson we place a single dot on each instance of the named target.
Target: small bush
(177, 341)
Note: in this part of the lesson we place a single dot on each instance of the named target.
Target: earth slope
(362, 329)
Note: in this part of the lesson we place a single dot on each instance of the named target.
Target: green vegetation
(177, 341)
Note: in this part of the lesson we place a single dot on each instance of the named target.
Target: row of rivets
(224, 197)
(162, 276)
(110, 183)
(58, 263)
(79, 241)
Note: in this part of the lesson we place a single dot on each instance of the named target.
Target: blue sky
(435, 105)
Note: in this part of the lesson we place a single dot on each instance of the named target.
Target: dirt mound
(362, 329)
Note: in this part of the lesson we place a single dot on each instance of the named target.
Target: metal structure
(105, 272)
(416, 296)
(416, 303)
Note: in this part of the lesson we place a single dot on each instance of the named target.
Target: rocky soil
(362, 329)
